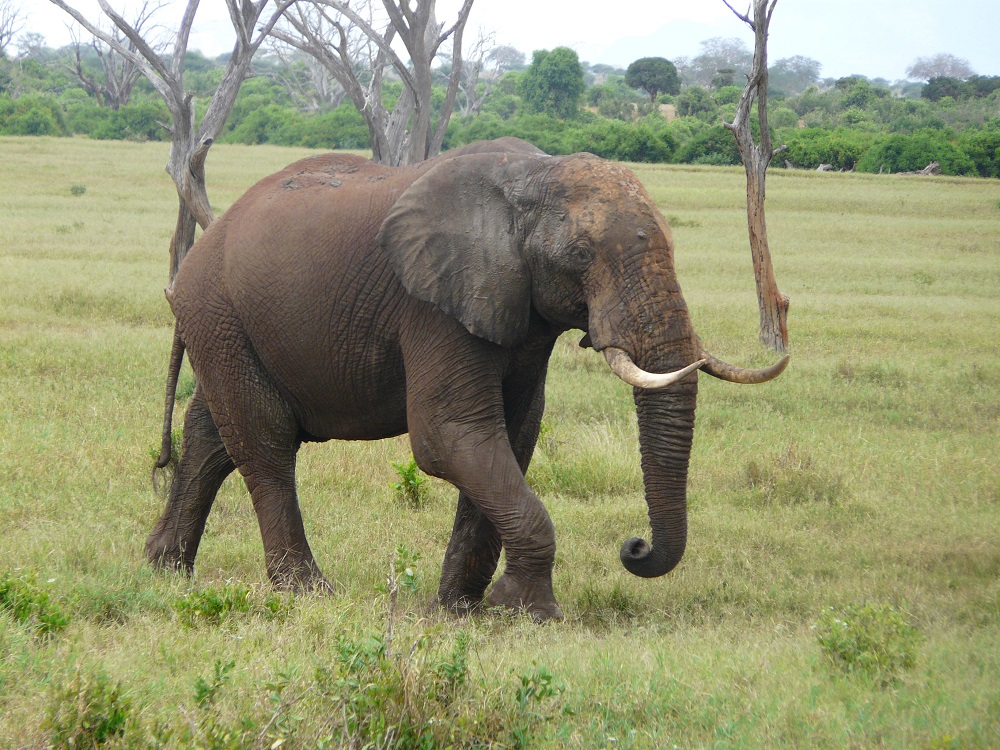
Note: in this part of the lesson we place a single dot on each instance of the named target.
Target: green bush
(874, 639)
(410, 487)
(212, 606)
(714, 145)
(30, 605)
(910, 153)
(695, 101)
(136, 121)
(620, 141)
(86, 712)
(810, 147)
(982, 146)
(34, 114)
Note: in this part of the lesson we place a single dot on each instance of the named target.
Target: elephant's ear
(454, 239)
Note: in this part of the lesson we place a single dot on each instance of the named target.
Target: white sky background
(875, 38)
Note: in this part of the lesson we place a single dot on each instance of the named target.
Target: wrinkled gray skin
(341, 299)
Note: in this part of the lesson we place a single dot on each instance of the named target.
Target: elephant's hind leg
(203, 466)
(261, 434)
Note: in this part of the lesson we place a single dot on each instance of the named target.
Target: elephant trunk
(666, 427)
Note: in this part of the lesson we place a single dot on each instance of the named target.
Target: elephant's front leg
(474, 547)
(458, 432)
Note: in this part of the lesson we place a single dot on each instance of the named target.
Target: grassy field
(841, 587)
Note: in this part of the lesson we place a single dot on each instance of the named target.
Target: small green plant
(213, 606)
(207, 691)
(410, 487)
(532, 698)
(78, 190)
(874, 639)
(86, 711)
(30, 605)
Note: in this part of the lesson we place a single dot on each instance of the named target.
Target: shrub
(982, 146)
(213, 606)
(911, 153)
(35, 114)
(410, 487)
(620, 141)
(875, 640)
(86, 711)
(695, 101)
(137, 121)
(30, 605)
(714, 145)
(810, 147)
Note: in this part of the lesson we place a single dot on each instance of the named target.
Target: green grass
(860, 488)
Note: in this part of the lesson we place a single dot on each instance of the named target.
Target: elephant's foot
(301, 577)
(168, 558)
(461, 605)
(531, 595)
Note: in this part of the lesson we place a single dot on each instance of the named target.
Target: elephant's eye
(580, 252)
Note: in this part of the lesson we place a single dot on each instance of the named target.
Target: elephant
(343, 299)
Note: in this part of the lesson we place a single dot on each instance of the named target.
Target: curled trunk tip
(644, 561)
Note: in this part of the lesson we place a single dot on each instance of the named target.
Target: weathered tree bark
(191, 142)
(772, 303)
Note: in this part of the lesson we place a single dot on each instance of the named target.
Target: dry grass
(866, 474)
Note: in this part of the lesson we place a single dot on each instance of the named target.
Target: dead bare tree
(191, 140)
(11, 21)
(120, 73)
(308, 83)
(482, 67)
(756, 159)
(355, 45)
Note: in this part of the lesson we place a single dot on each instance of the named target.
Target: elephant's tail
(168, 454)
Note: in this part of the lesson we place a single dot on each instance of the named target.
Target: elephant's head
(495, 239)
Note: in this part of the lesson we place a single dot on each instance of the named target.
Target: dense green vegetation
(564, 106)
(841, 586)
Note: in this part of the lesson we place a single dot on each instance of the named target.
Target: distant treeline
(851, 123)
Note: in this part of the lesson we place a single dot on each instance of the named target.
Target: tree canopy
(654, 75)
(553, 83)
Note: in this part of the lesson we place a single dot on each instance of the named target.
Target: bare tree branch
(11, 22)
(358, 52)
(190, 141)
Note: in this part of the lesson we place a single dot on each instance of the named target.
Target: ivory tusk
(725, 371)
(621, 364)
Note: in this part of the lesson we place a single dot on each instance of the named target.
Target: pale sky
(876, 38)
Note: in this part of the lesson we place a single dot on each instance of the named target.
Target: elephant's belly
(351, 408)
(388, 420)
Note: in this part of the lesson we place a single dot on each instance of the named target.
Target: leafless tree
(11, 21)
(355, 45)
(756, 159)
(120, 72)
(310, 85)
(191, 140)
(717, 54)
(940, 66)
(482, 67)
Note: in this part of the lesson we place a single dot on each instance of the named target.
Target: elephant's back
(314, 294)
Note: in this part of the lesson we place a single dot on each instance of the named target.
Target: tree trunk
(773, 305)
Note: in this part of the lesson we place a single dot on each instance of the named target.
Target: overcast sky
(876, 38)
